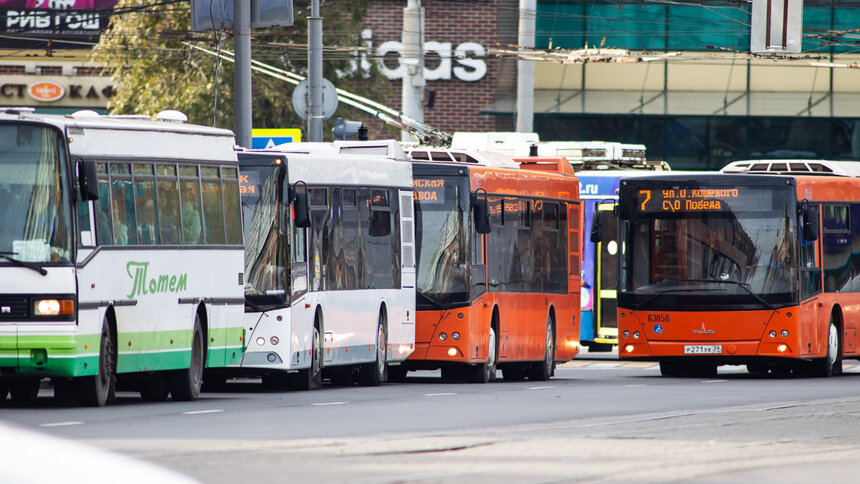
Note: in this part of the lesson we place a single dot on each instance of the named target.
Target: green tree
(147, 49)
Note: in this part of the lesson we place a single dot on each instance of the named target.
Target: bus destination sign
(703, 199)
(429, 190)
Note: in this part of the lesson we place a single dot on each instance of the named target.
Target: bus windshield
(267, 251)
(737, 256)
(35, 220)
(440, 231)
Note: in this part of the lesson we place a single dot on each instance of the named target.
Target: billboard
(27, 23)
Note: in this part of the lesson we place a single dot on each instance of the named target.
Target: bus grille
(14, 308)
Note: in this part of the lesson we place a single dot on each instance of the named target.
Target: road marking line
(605, 365)
(198, 412)
(438, 394)
(60, 424)
(714, 381)
(321, 404)
(538, 388)
(636, 385)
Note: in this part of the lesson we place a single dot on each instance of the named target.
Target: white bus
(120, 255)
(329, 263)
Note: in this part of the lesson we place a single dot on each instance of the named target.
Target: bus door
(480, 311)
(605, 280)
(810, 290)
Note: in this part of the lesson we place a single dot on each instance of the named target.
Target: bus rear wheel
(310, 378)
(375, 374)
(185, 384)
(94, 391)
(543, 370)
(831, 364)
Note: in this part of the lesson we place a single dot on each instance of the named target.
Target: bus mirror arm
(481, 212)
(809, 222)
(88, 181)
(301, 209)
(597, 227)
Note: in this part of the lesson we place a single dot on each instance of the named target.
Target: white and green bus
(121, 257)
(329, 263)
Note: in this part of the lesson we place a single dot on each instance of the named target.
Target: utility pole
(413, 62)
(315, 76)
(242, 72)
(526, 68)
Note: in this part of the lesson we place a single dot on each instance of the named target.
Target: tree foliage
(147, 50)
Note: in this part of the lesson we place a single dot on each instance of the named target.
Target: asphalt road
(596, 421)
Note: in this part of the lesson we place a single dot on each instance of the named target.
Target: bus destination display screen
(429, 190)
(705, 199)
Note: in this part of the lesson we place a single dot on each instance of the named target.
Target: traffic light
(344, 130)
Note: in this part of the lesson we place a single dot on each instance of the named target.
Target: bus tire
(25, 390)
(543, 371)
(484, 372)
(310, 378)
(185, 384)
(831, 364)
(375, 374)
(94, 391)
(153, 388)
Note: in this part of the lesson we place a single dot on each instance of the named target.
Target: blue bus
(598, 190)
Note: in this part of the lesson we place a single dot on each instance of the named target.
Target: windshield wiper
(7, 256)
(739, 284)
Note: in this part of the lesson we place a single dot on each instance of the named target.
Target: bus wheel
(484, 372)
(514, 373)
(671, 367)
(153, 388)
(830, 364)
(25, 390)
(310, 378)
(374, 374)
(543, 371)
(93, 391)
(185, 384)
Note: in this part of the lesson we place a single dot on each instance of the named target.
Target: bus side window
(168, 204)
(189, 193)
(104, 228)
(213, 206)
(232, 206)
(144, 203)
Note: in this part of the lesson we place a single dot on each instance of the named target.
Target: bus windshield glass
(721, 249)
(440, 229)
(267, 251)
(34, 215)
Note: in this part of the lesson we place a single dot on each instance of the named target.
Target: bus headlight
(626, 333)
(261, 341)
(772, 334)
(636, 334)
(628, 348)
(54, 307)
(455, 336)
(443, 336)
(782, 348)
(784, 333)
(452, 351)
(274, 340)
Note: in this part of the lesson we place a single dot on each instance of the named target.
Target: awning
(685, 103)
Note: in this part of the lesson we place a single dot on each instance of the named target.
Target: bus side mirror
(597, 226)
(809, 220)
(301, 208)
(481, 211)
(88, 180)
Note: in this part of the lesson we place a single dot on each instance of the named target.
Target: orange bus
(498, 257)
(758, 266)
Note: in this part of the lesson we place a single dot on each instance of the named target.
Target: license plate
(703, 349)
